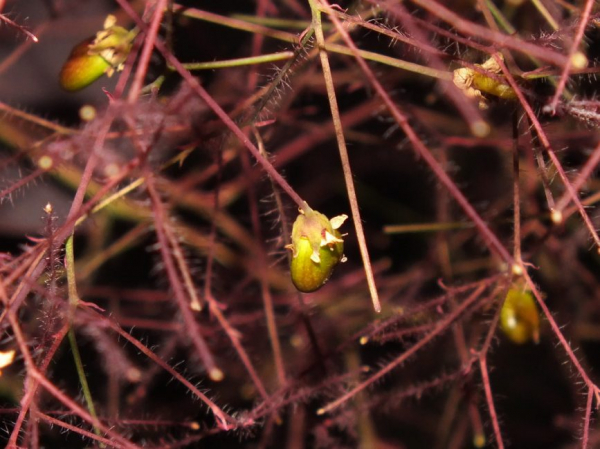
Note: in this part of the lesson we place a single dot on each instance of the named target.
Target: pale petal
(338, 221)
(6, 358)
(315, 257)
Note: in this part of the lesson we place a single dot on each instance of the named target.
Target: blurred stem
(499, 17)
(367, 437)
(291, 38)
(237, 62)
(438, 329)
(393, 62)
(426, 227)
(274, 22)
(117, 195)
(234, 23)
(516, 197)
(545, 13)
(544, 175)
(286, 233)
(266, 292)
(31, 118)
(573, 60)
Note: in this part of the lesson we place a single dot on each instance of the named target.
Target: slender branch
(582, 177)
(572, 60)
(191, 325)
(18, 27)
(587, 420)
(201, 92)
(150, 37)
(264, 286)
(499, 39)
(516, 198)
(441, 326)
(561, 338)
(224, 420)
(546, 143)
(53, 421)
(489, 237)
(490, 400)
(238, 62)
(54, 391)
(343, 150)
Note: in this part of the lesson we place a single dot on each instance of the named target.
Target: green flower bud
(317, 248)
(519, 317)
(104, 53)
(82, 69)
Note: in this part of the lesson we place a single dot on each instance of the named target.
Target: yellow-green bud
(82, 69)
(519, 317)
(317, 247)
(474, 84)
(104, 53)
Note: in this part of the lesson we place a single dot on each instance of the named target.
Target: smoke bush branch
(442, 326)
(178, 289)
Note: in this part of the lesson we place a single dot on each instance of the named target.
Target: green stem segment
(73, 303)
(238, 62)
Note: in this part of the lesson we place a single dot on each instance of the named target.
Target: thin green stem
(234, 23)
(73, 303)
(251, 27)
(237, 62)
(545, 13)
(31, 118)
(274, 22)
(517, 267)
(499, 17)
(70, 267)
(393, 62)
(426, 227)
